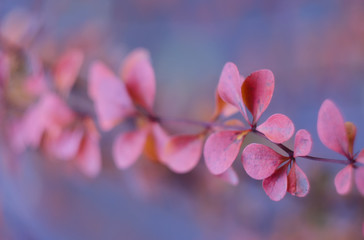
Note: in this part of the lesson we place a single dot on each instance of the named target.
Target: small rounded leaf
(344, 180)
(331, 128)
(302, 143)
(275, 186)
(183, 152)
(155, 144)
(278, 128)
(359, 179)
(128, 146)
(89, 157)
(229, 87)
(360, 157)
(257, 91)
(111, 99)
(138, 74)
(223, 108)
(260, 161)
(298, 184)
(230, 176)
(221, 149)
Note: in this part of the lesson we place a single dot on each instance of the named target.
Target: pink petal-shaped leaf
(128, 146)
(156, 142)
(183, 152)
(344, 180)
(298, 184)
(359, 179)
(138, 74)
(331, 128)
(222, 108)
(229, 87)
(302, 143)
(88, 158)
(275, 186)
(221, 149)
(66, 145)
(360, 157)
(278, 128)
(230, 176)
(67, 70)
(257, 91)
(111, 99)
(260, 161)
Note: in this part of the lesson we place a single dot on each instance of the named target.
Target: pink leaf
(331, 128)
(260, 161)
(360, 157)
(302, 143)
(230, 176)
(229, 87)
(223, 108)
(344, 180)
(221, 149)
(359, 179)
(128, 147)
(275, 186)
(278, 128)
(67, 70)
(138, 74)
(298, 184)
(257, 91)
(156, 142)
(183, 152)
(111, 99)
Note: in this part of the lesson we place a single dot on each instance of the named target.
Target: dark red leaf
(257, 91)
(138, 74)
(260, 161)
(278, 128)
(331, 128)
(344, 180)
(221, 149)
(128, 146)
(298, 184)
(229, 87)
(111, 99)
(275, 186)
(183, 152)
(302, 143)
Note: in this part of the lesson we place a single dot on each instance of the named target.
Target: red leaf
(257, 91)
(67, 70)
(221, 149)
(344, 180)
(111, 99)
(230, 176)
(298, 184)
(275, 186)
(359, 179)
(278, 128)
(89, 157)
(260, 161)
(183, 152)
(229, 87)
(302, 143)
(128, 146)
(331, 128)
(138, 74)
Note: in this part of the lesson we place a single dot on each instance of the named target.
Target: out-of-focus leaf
(138, 74)
(298, 184)
(67, 69)
(351, 134)
(344, 180)
(278, 128)
(360, 157)
(230, 176)
(331, 128)
(359, 179)
(128, 146)
(275, 186)
(260, 161)
(229, 87)
(183, 152)
(221, 149)
(156, 141)
(111, 99)
(257, 91)
(302, 143)
(223, 108)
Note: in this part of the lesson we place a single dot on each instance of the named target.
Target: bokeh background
(314, 48)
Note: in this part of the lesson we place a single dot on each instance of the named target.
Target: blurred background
(314, 48)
